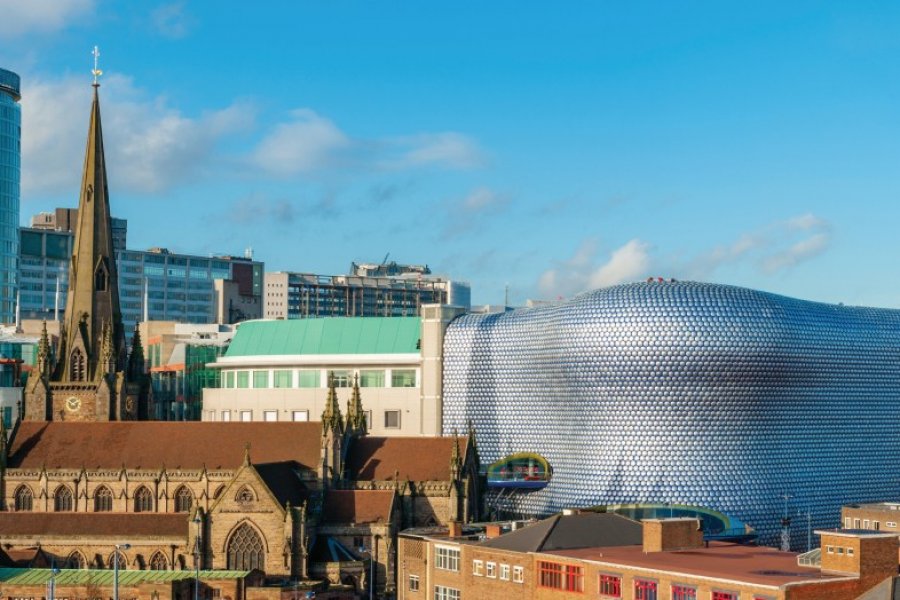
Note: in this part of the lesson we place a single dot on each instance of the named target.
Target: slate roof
(284, 482)
(157, 444)
(121, 525)
(565, 532)
(416, 458)
(357, 506)
(327, 335)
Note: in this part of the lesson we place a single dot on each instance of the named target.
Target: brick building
(608, 557)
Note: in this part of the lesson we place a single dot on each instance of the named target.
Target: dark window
(245, 550)
(120, 557)
(24, 498)
(644, 590)
(158, 562)
(103, 498)
(76, 561)
(76, 365)
(143, 500)
(62, 499)
(611, 585)
(183, 499)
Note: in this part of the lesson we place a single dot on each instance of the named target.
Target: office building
(180, 287)
(369, 291)
(686, 393)
(10, 178)
(590, 555)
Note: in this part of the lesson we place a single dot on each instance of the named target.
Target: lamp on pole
(197, 553)
(54, 571)
(364, 550)
(116, 568)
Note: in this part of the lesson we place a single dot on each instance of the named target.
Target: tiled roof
(752, 564)
(561, 532)
(416, 458)
(126, 526)
(328, 335)
(357, 506)
(154, 444)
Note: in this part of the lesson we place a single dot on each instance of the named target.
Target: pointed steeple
(4, 445)
(331, 417)
(455, 461)
(93, 297)
(356, 417)
(136, 356)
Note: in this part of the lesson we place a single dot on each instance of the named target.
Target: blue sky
(550, 149)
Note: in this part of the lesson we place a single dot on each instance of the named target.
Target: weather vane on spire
(97, 72)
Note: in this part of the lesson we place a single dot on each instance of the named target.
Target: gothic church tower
(87, 378)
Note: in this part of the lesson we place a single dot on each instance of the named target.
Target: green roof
(329, 335)
(104, 577)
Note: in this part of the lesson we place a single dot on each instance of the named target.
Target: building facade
(395, 292)
(162, 285)
(277, 370)
(10, 177)
(686, 393)
(569, 557)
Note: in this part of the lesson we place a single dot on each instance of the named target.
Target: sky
(529, 149)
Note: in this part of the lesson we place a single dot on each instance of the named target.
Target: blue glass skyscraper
(10, 175)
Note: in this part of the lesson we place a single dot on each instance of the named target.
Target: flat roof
(757, 565)
(881, 506)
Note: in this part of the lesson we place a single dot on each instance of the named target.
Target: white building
(277, 370)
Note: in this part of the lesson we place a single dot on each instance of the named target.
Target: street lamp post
(197, 555)
(54, 571)
(116, 568)
(363, 550)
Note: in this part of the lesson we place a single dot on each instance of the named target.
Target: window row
(610, 587)
(63, 499)
(446, 558)
(840, 550)
(489, 569)
(390, 420)
(318, 378)
(867, 524)
(158, 561)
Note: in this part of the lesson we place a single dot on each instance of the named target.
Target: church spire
(93, 298)
(356, 418)
(331, 417)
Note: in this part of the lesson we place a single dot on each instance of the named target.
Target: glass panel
(260, 379)
(283, 379)
(308, 379)
(342, 379)
(403, 378)
(243, 379)
(229, 379)
(371, 378)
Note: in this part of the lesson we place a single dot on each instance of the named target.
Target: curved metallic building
(687, 393)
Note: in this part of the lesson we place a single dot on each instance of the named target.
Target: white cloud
(306, 143)
(447, 149)
(581, 272)
(170, 21)
(468, 213)
(309, 142)
(773, 249)
(22, 17)
(149, 146)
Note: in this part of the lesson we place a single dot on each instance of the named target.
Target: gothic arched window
(76, 365)
(246, 550)
(62, 499)
(158, 562)
(103, 499)
(143, 500)
(23, 498)
(218, 491)
(245, 494)
(76, 560)
(101, 278)
(120, 556)
(184, 499)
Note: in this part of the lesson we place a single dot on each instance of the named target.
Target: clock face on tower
(73, 403)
